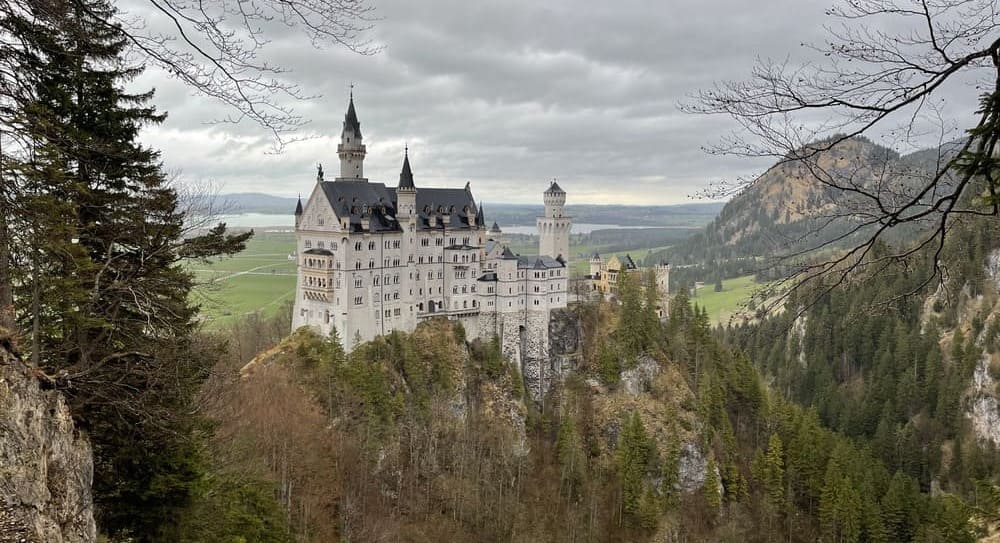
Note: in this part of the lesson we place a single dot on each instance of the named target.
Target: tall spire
(351, 119)
(351, 149)
(298, 207)
(406, 175)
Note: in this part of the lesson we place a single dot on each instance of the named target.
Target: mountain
(787, 209)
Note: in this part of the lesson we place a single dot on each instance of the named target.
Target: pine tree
(713, 487)
(774, 473)
(104, 295)
(569, 450)
(632, 458)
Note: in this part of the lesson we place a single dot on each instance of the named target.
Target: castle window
(320, 221)
(425, 242)
(357, 246)
(451, 241)
(357, 265)
(357, 282)
(375, 281)
(396, 311)
(308, 244)
(439, 241)
(371, 245)
(357, 300)
(371, 264)
(465, 240)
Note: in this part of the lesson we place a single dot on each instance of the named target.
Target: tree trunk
(6, 285)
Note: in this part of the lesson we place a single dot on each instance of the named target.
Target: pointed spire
(351, 119)
(298, 207)
(406, 175)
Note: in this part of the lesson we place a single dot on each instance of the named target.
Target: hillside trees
(885, 69)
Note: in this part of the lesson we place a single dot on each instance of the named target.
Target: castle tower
(595, 265)
(554, 227)
(406, 192)
(662, 271)
(351, 149)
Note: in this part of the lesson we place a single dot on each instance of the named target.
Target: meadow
(730, 301)
(260, 279)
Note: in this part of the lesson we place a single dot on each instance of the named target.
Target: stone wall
(46, 466)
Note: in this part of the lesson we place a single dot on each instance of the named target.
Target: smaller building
(603, 278)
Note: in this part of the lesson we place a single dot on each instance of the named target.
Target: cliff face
(46, 467)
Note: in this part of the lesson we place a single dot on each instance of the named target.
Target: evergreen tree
(632, 458)
(713, 486)
(774, 473)
(103, 292)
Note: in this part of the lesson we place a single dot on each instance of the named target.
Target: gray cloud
(508, 95)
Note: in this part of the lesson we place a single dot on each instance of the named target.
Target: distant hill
(787, 208)
(688, 215)
(257, 202)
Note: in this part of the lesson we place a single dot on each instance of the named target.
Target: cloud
(506, 95)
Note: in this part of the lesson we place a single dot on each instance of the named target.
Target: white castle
(373, 259)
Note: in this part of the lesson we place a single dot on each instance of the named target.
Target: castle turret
(298, 212)
(595, 265)
(351, 149)
(662, 271)
(554, 227)
(406, 192)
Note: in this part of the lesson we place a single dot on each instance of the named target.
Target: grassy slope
(261, 278)
(722, 305)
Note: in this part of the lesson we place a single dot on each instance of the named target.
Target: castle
(603, 278)
(373, 259)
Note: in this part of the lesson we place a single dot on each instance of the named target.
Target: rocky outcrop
(692, 468)
(639, 379)
(983, 405)
(549, 356)
(46, 466)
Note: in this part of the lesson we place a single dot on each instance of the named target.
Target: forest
(853, 411)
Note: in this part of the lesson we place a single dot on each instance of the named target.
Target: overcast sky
(507, 95)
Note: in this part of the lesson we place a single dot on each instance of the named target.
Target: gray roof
(324, 252)
(495, 228)
(351, 119)
(508, 254)
(298, 207)
(543, 262)
(555, 188)
(362, 199)
(628, 263)
(406, 175)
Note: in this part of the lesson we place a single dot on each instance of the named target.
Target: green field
(731, 300)
(261, 278)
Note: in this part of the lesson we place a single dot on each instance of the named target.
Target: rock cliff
(46, 467)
